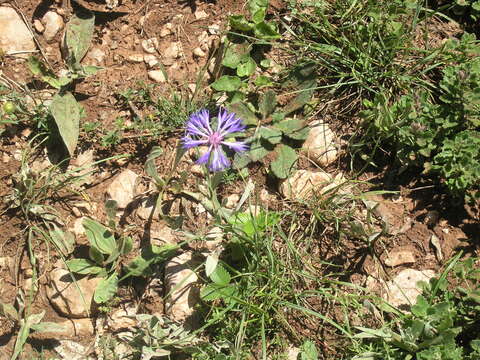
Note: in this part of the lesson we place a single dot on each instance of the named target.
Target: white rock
(172, 52)
(157, 76)
(231, 201)
(198, 52)
(150, 45)
(181, 287)
(84, 166)
(319, 145)
(151, 60)
(304, 184)
(161, 234)
(122, 318)
(214, 29)
(166, 30)
(78, 226)
(147, 205)
(70, 350)
(53, 24)
(14, 34)
(122, 189)
(97, 54)
(71, 299)
(399, 257)
(403, 289)
(37, 24)
(200, 15)
(137, 58)
(292, 353)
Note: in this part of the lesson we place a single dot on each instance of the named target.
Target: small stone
(53, 24)
(76, 212)
(398, 257)
(161, 234)
(200, 15)
(403, 289)
(122, 189)
(151, 60)
(198, 52)
(69, 298)
(196, 170)
(166, 30)
(137, 58)
(214, 238)
(304, 184)
(97, 54)
(264, 196)
(214, 29)
(37, 24)
(122, 318)
(70, 350)
(78, 228)
(231, 201)
(147, 205)
(157, 76)
(172, 52)
(292, 353)
(150, 45)
(14, 34)
(181, 287)
(319, 145)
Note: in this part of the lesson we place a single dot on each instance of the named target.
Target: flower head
(199, 132)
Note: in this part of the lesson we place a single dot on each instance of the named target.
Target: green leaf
(293, 128)
(64, 242)
(241, 159)
(151, 167)
(66, 113)
(240, 23)
(220, 276)
(309, 351)
(283, 165)
(125, 245)
(88, 70)
(235, 54)
(263, 80)
(272, 135)
(78, 36)
(106, 289)
(96, 255)
(99, 236)
(259, 15)
(214, 291)
(247, 67)
(267, 103)
(255, 5)
(227, 83)
(267, 31)
(211, 264)
(83, 266)
(300, 100)
(258, 150)
(111, 207)
(7, 310)
(140, 266)
(244, 113)
(48, 327)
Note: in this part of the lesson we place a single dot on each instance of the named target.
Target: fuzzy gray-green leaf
(67, 112)
(283, 165)
(78, 36)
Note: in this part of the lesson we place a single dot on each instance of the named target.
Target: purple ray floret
(198, 132)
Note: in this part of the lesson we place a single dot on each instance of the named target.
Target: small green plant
(105, 253)
(443, 324)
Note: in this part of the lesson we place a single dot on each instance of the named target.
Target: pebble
(157, 76)
(200, 15)
(122, 189)
(319, 145)
(14, 34)
(150, 45)
(53, 24)
(166, 30)
(137, 58)
(399, 256)
(199, 52)
(37, 24)
(403, 290)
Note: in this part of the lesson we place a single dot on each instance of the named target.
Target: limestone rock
(150, 45)
(181, 285)
(71, 299)
(37, 24)
(161, 234)
(304, 184)
(399, 256)
(200, 15)
(403, 289)
(319, 145)
(14, 34)
(231, 201)
(166, 30)
(147, 205)
(53, 24)
(157, 76)
(198, 52)
(137, 58)
(172, 52)
(122, 318)
(70, 350)
(98, 55)
(122, 189)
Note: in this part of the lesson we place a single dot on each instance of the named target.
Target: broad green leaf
(267, 103)
(286, 159)
(238, 22)
(263, 80)
(211, 264)
(214, 291)
(99, 236)
(227, 83)
(235, 54)
(258, 150)
(9, 311)
(78, 36)
(256, 5)
(244, 113)
(140, 266)
(106, 289)
(64, 242)
(66, 113)
(266, 30)
(96, 255)
(293, 128)
(247, 67)
(220, 276)
(111, 207)
(272, 135)
(240, 160)
(83, 266)
(305, 95)
(88, 70)
(309, 351)
(151, 167)
(259, 15)
(48, 327)
(125, 245)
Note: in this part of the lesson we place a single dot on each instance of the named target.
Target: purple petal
(189, 143)
(205, 157)
(237, 146)
(219, 160)
(228, 123)
(199, 124)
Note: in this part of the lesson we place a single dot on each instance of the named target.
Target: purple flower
(199, 132)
